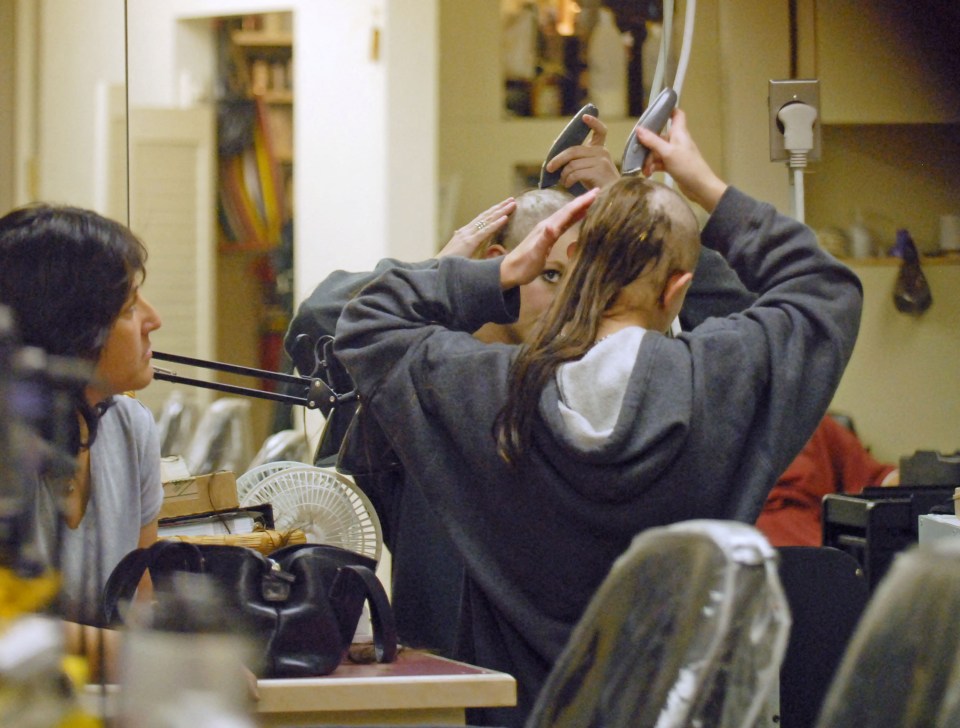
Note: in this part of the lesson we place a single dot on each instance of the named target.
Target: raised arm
(318, 314)
(401, 309)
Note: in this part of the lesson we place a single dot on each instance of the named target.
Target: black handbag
(301, 605)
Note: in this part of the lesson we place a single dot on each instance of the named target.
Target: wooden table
(418, 688)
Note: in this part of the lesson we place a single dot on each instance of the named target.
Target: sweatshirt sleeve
(854, 465)
(765, 377)
(716, 291)
(318, 314)
(401, 309)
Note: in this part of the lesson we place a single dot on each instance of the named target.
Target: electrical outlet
(782, 93)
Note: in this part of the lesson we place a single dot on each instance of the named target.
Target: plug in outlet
(782, 93)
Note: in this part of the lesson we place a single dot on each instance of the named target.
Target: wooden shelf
(261, 39)
(258, 62)
(277, 97)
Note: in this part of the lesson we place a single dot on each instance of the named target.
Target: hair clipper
(654, 118)
(574, 133)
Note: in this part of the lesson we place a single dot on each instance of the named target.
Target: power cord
(798, 119)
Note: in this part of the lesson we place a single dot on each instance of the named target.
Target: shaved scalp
(533, 206)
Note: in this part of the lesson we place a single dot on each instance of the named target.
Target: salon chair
(689, 628)
(827, 592)
(902, 667)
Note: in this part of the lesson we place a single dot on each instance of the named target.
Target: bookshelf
(255, 193)
(256, 157)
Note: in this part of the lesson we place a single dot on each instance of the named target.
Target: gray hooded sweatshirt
(704, 423)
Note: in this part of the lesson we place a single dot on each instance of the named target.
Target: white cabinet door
(173, 210)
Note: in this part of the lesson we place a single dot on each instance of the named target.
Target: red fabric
(833, 461)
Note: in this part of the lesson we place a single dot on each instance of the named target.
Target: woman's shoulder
(130, 406)
(128, 413)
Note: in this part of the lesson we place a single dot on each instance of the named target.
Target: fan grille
(253, 477)
(323, 504)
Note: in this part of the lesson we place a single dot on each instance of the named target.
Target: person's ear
(495, 251)
(677, 286)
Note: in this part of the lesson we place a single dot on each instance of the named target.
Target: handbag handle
(353, 586)
(127, 574)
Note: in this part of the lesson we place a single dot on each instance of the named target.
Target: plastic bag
(911, 292)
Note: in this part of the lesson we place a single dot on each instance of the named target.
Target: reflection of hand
(590, 163)
(526, 261)
(468, 239)
(892, 478)
(678, 155)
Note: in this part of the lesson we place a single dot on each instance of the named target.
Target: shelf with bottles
(559, 54)
(260, 56)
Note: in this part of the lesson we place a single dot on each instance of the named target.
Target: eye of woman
(552, 275)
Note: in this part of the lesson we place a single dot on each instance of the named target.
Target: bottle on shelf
(861, 239)
(607, 66)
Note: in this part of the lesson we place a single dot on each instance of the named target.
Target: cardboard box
(199, 494)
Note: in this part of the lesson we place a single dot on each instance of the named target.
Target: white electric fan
(324, 504)
(256, 475)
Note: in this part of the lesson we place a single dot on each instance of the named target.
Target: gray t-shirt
(125, 495)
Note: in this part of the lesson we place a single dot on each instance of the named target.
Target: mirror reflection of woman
(72, 281)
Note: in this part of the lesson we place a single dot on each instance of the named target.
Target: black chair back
(827, 593)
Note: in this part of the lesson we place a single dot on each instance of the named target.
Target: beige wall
(7, 26)
(903, 385)
(895, 176)
(754, 43)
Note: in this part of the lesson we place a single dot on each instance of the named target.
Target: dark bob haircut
(66, 274)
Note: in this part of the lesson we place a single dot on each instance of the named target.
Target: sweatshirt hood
(592, 388)
(626, 402)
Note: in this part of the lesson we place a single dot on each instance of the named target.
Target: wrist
(709, 193)
(508, 276)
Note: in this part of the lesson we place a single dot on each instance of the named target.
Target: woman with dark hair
(72, 281)
(543, 461)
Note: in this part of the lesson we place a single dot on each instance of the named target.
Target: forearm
(318, 314)
(791, 346)
(706, 190)
(771, 252)
(399, 310)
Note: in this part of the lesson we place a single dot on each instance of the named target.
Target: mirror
(62, 104)
(558, 54)
(369, 107)
(211, 177)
